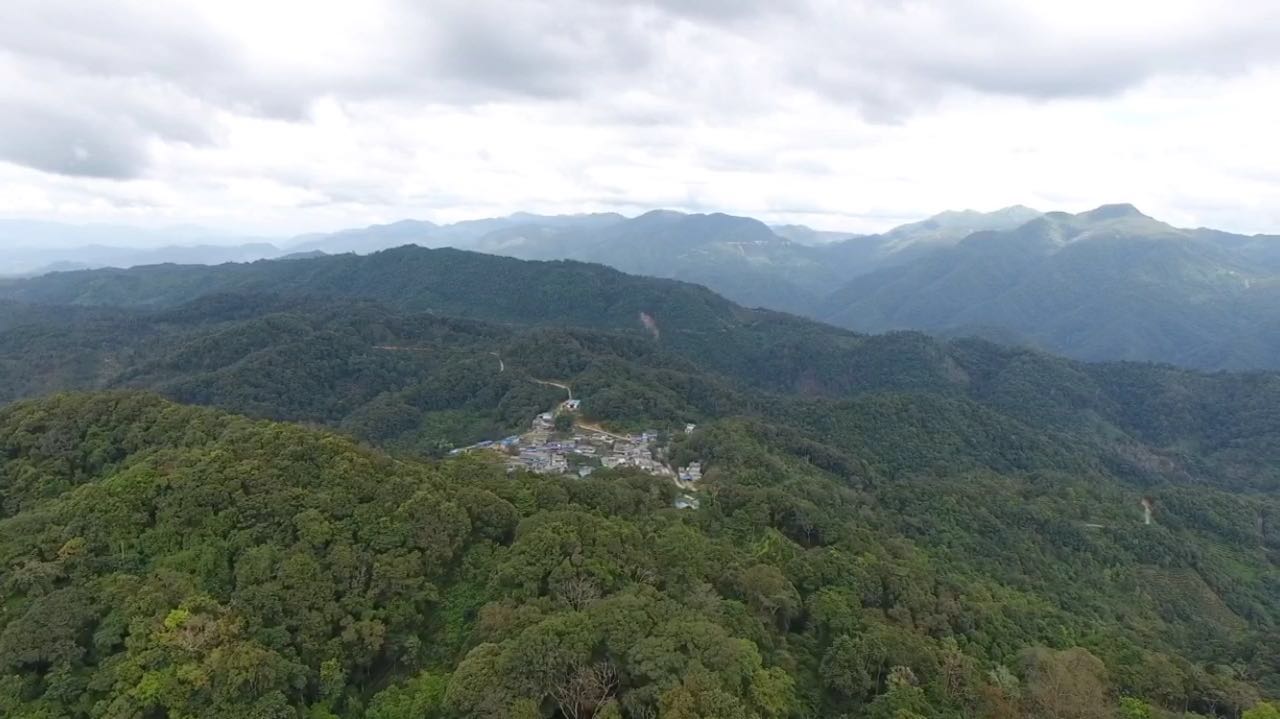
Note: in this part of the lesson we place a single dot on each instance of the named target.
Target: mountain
(735, 256)
(367, 239)
(1107, 284)
(468, 234)
(63, 235)
(37, 261)
(1111, 283)
(886, 524)
(947, 228)
(35, 247)
(789, 268)
(863, 254)
(747, 261)
(410, 278)
(803, 235)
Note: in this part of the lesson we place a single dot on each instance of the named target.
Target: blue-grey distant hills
(791, 268)
(26, 261)
(1111, 283)
(33, 247)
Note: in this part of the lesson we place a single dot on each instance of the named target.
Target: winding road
(549, 383)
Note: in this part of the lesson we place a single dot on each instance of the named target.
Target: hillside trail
(549, 383)
(591, 427)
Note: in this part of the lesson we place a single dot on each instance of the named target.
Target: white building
(686, 501)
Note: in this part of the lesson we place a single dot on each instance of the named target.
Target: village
(558, 444)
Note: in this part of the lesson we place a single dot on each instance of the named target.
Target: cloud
(69, 123)
(840, 108)
(61, 143)
(894, 59)
(482, 51)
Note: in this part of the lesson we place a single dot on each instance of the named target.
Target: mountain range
(1110, 283)
(1107, 284)
(739, 257)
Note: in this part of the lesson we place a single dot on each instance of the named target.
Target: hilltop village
(557, 444)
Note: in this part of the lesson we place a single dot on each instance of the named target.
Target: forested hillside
(426, 382)
(176, 561)
(411, 278)
(1107, 284)
(888, 526)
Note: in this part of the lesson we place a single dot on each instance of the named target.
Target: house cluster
(692, 473)
(580, 451)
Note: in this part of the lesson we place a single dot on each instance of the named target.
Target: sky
(284, 116)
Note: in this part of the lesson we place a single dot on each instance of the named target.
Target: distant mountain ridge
(808, 236)
(31, 261)
(785, 267)
(1109, 283)
(788, 268)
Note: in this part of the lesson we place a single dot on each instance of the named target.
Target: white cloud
(285, 115)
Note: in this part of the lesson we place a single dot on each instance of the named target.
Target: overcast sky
(281, 117)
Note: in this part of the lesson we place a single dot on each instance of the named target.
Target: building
(572, 405)
(688, 428)
(686, 501)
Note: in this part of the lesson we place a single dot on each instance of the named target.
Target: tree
(700, 696)
(579, 591)
(1068, 684)
(768, 592)
(773, 692)
(1262, 710)
(901, 702)
(421, 697)
(586, 690)
(844, 668)
(1131, 708)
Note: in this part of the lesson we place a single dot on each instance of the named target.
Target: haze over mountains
(789, 268)
(1110, 283)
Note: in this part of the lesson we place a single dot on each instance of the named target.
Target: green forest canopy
(889, 526)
